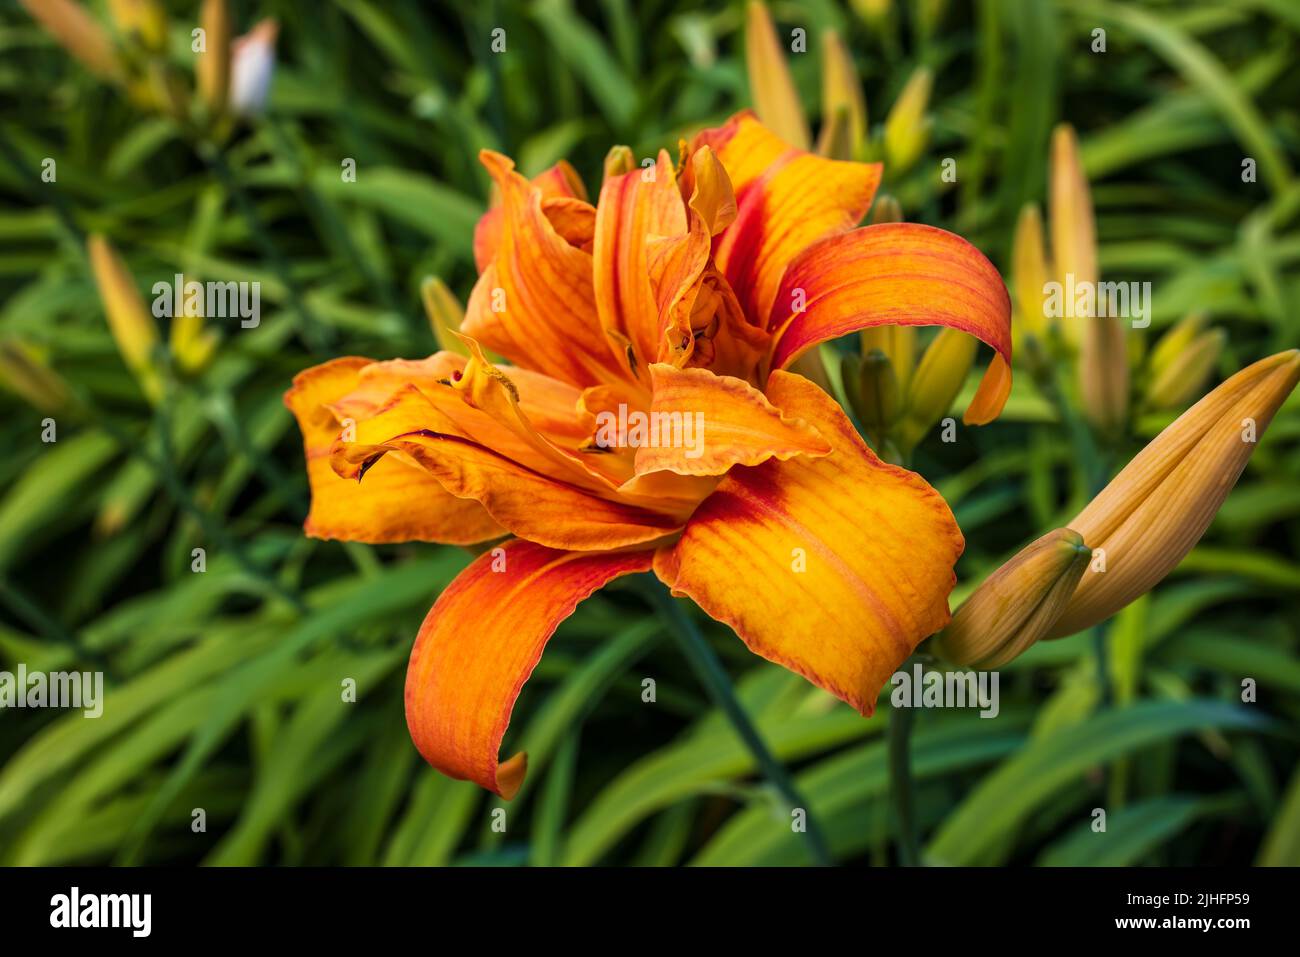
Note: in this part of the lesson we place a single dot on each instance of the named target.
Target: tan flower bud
(1017, 604)
(213, 66)
(80, 34)
(1074, 232)
(1149, 517)
(1103, 373)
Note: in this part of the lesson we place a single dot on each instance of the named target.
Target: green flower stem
(714, 678)
(901, 791)
(309, 327)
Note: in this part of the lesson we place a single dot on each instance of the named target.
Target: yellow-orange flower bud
(775, 98)
(935, 384)
(906, 128)
(213, 66)
(143, 21)
(1181, 362)
(1029, 274)
(133, 328)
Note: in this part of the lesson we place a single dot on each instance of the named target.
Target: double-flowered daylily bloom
(679, 300)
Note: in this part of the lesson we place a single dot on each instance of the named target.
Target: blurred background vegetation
(224, 687)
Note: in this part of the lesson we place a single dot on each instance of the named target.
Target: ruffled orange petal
(527, 502)
(534, 303)
(835, 567)
(560, 182)
(634, 209)
(479, 644)
(703, 424)
(701, 321)
(398, 503)
(543, 410)
(786, 200)
(897, 274)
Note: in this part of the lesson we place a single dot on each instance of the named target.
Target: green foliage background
(224, 687)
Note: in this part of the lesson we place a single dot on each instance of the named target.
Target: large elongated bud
(1159, 506)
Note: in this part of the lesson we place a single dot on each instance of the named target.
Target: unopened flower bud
(1149, 517)
(1017, 604)
(1029, 274)
(776, 101)
(141, 21)
(1103, 373)
(844, 108)
(252, 65)
(1178, 377)
(907, 128)
(213, 68)
(878, 394)
(936, 383)
(132, 327)
(80, 34)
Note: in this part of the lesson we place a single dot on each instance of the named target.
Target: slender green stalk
(23, 607)
(164, 464)
(714, 678)
(901, 790)
(309, 327)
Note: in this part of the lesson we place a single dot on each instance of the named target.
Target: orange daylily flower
(681, 296)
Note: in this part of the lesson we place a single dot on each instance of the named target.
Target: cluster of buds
(1113, 380)
(1132, 534)
(233, 74)
(898, 398)
(1076, 326)
(845, 133)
